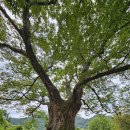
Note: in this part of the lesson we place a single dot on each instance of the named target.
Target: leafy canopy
(65, 37)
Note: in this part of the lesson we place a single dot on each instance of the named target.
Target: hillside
(80, 122)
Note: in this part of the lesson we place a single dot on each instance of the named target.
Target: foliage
(117, 122)
(4, 124)
(122, 122)
(80, 123)
(62, 39)
(42, 115)
(28, 125)
(100, 122)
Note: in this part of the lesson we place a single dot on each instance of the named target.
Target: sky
(19, 113)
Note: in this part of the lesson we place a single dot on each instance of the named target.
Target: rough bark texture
(62, 115)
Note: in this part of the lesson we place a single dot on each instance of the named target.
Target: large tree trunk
(62, 115)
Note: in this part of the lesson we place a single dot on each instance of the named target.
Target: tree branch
(33, 110)
(99, 75)
(125, 57)
(23, 95)
(84, 102)
(52, 2)
(125, 25)
(99, 99)
(31, 85)
(42, 102)
(20, 51)
(52, 90)
(10, 20)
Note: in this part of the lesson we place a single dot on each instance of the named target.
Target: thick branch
(10, 20)
(20, 51)
(43, 3)
(100, 75)
(125, 25)
(52, 90)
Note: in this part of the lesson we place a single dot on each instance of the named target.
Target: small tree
(5, 125)
(100, 122)
(122, 122)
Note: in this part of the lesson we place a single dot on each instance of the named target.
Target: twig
(16, 50)
(11, 21)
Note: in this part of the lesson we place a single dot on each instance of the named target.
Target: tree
(3, 122)
(5, 125)
(57, 52)
(122, 122)
(100, 122)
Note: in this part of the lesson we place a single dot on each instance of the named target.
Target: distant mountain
(79, 122)
(20, 121)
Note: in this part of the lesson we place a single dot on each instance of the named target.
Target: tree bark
(62, 115)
